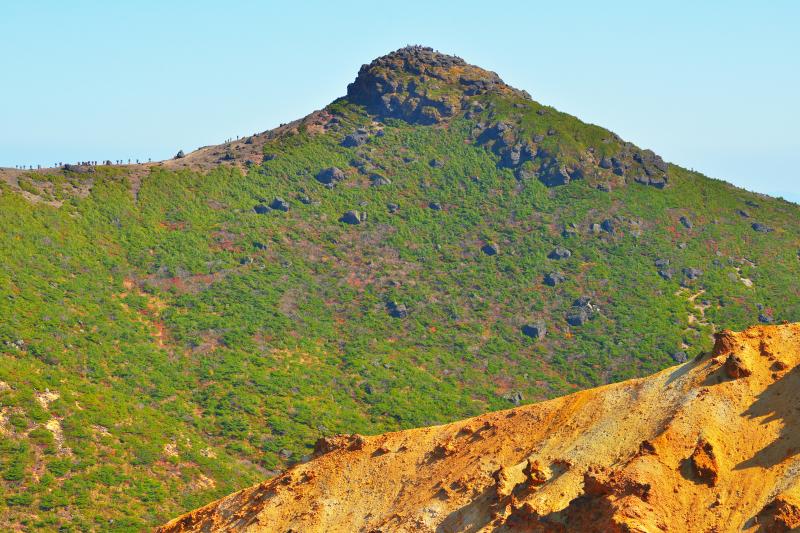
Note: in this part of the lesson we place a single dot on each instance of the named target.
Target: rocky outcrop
(420, 85)
(682, 450)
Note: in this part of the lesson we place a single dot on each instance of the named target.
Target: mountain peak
(419, 84)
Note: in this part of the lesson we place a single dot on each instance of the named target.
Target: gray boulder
(761, 228)
(330, 176)
(514, 397)
(490, 249)
(376, 180)
(355, 139)
(261, 209)
(692, 273)
(535, 330)
(559, 252)
(353, 217)
(577, 316)
(554, 278)
(279, 204)
(397, 309)
(680, 357)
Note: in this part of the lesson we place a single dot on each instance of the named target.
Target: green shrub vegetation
(154, 357)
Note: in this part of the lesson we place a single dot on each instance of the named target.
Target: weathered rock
(514, 397)
(742, 213)
(704, 461)
(661, 262)
(376, 180)
(680, 357)
(330, 176)
(535, 330)
(353, 217)
(666, 273)
(490, 249)
(279, 204)
(559, 252)
(764, 319)
(761, 228)
(397, 309)
(608, 226)
(577, 316)
(686, 222)
(261, 209)
(554, 278)
(436, 163)
(392, 207)
(436, 206)
(355, 139)
(736, 367)
(692, 273)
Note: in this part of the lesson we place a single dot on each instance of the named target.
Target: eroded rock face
(420, 85)
(664, 453)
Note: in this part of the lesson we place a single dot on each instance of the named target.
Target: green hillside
(169, 334)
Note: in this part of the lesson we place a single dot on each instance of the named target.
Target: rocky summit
(710, 445)
(432, 246)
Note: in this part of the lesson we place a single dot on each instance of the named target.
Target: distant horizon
(707, 87)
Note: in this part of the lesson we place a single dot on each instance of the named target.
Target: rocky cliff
(710, 445)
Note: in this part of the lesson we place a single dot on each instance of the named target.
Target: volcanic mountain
(710, 445)
(431, 246)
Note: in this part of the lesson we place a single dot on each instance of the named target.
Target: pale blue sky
(709, 85)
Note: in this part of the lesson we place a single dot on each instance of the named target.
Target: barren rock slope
(710, 445)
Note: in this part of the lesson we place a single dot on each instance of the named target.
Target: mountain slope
(710, 445)
(432, 246)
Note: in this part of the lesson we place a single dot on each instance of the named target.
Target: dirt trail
(710, 445)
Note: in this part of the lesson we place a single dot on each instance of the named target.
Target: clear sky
(712, 85)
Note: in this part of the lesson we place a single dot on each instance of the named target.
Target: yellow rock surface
(710, 445)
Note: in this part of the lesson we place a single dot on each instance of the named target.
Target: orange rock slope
(710, 445)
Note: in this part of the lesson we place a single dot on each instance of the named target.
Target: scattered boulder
(577, 316)
(680, 357)
(666, 273)
(392, 207)
(554, 278)
(761, 228)
(436, 206)
(686, 222)
(180, 155)
(490, 249)
(764, 319)
(662, 262)
(692, 273)
(355, 139)
(559, 252)
(436, 163)
(376, 180)
(535, 330)
(261, 209)
(259, 245)
(330, 176)
(305, 199)
(397, 309)
(742, 213)
(279, 204)
(608, 226)
(514, 397)
(353, 217)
